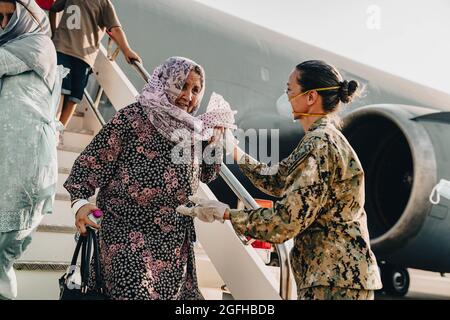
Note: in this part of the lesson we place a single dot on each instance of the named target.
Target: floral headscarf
(160, 93)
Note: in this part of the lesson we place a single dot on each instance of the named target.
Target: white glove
(230, 141)
(231, 144)
(205, 210)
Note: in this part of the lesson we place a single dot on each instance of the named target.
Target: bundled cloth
(218, 114)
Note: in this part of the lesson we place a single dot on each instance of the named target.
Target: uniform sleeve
(109, 17)
(10, 65)
(97, 164)
(271, 179)
(297, 210)
(58, 6)
(211, 165)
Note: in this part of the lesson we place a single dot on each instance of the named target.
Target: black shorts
(74, 83)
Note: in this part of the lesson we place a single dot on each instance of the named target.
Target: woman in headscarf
(146, 247)
(29, 92)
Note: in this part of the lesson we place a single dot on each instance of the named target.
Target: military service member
(321, 186)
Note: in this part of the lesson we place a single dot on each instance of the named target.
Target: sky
(408, 38)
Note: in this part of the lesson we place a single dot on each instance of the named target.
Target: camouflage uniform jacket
(321, 186)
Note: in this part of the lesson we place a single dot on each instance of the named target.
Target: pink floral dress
(146, 247)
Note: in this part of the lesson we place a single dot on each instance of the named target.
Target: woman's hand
(217, 135)
(205, 210)
(131, 56)
(82, 219)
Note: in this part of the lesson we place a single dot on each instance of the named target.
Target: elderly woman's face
(6, 11)
(188, 98)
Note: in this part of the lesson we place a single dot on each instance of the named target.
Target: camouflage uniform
(321, 186)
(329, 293)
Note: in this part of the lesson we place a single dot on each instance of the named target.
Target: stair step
(50, 247)
(66, 148)
(41, 266)
(64, 170)
(77, 121)
(83, 131)
(67, 156)
(62, 197)
(61, 216)
(78, 138)
(66, 197)
(38, 285)
(62, 177)
(38, 280)
(211, 293)
(56, 228)
(60, 208)
(207, 274)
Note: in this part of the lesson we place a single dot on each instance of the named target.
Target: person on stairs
(77, 41)
(30, 89)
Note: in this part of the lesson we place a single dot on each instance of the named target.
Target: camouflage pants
(334, 293)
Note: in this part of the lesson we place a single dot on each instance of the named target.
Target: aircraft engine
(404, 151)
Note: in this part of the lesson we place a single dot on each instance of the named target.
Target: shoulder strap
(80, 242)
(85, 260)
(98, 274)
(87, 252)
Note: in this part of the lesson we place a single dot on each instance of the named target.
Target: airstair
(223, 259)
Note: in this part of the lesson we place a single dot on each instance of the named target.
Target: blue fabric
(12, 246)
(28, 129)
(74, 84)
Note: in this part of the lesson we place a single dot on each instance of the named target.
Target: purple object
(94, 216)
(97, 213)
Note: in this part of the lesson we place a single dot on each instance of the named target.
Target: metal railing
(141, 70)
(225, 173)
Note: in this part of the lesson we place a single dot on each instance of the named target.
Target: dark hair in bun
(347, 90)
(316, 74)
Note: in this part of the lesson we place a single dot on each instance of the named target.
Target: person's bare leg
(67, 112)
(60, 106)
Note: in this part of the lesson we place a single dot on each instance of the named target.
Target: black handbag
(71, 291)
